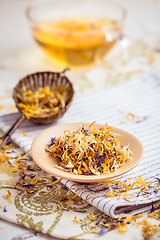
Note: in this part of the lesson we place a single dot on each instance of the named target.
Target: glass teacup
(76, 33)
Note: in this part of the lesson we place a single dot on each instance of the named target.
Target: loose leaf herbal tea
(89, 151)
(43, 102)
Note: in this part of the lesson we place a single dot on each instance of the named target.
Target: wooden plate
(47, 162)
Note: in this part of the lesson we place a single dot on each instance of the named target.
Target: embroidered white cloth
(139, 96)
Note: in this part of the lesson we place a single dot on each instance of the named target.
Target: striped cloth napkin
(140, 97)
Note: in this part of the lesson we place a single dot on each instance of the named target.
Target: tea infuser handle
(66, 69)
(12, 130)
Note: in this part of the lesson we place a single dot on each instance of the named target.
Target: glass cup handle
(124, 40)
(120, 53)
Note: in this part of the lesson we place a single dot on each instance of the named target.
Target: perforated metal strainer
(34, 82)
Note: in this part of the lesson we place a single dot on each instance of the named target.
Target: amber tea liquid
(74, 43)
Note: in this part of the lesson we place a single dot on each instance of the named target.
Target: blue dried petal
(115, 153)
(84, 225)
(5, 209)
(83, 127)
(142, 120)
(53, 139)
(99, 163)
(126, 200)
(87, 132)
(137, 204)
(155, 191)
(65, 188)
(52, 142)
(22, 177)
(112, 226)
(104, 222)
(96, 155)
(26, 159)
(30, 169)
(91, 145)
(119, 221)
(102, 231)
(80, 210)
(100, 169)
(152, 209)
(158, 179)
(11, 151)
(93, 164)
(53, 178)
(32, 176)
(9, 142)
(28, 185)
(64, 199)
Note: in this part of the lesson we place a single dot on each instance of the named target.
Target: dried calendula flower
(42, 102)
(91, 216)
(77, 220)
(5, 166)
(7, 196)
(149, 229)
(89, 151)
